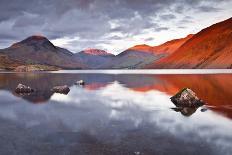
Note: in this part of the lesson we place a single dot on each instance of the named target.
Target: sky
(111, 25)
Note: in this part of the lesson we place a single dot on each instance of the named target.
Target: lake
(115, 113)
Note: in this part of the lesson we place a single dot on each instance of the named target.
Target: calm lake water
(114, 114)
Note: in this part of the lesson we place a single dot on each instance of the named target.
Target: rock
(204, 109)
(61, 89)
(81, 82)
(186, 98)
(186, 111)
(21, 89)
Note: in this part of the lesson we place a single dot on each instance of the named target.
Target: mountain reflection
(214, 89)
(114, 114)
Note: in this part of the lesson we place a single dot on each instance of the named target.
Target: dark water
(114, 115)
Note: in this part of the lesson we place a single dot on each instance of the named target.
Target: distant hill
(141, 55)
(39, 50)
(210, 48)
(132, 59)
(94, 58)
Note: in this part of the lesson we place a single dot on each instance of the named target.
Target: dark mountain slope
(39, 50)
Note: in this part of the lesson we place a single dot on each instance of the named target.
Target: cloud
(94, 19)
(208, 9)
(161, 28)
(149, 39)
(167, 17)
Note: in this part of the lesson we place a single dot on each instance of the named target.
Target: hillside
(8, 63)
(140, 56)
(210, 48)
(171, 46)
(39, 50)
(132, 59)
(94, 58)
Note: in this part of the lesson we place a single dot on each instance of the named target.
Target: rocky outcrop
(186, 102)
(22, 89)
(61, 89)
(186, 98)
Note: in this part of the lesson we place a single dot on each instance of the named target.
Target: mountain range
(209, 48)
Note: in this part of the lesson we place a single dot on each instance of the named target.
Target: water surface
(114, 114)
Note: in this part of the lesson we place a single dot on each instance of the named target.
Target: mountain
(140, 56)
(39, 50)
(96, 52)
(171, 46)
(210, 48)
(132, 58)
(142, 48)
(94, 58)
(8, 63)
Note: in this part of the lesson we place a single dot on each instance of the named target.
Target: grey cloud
(158, 29)
(149, 39)
(182, 27)
(208, 9)
(89, 19)
(167, 17)
(115, 37)
(185, 20)
(28, 20)
(179, 9)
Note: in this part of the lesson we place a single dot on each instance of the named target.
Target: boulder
(186, 111)
(21, 89)
(61, 89)
(187, 98)
(204, 109)
(81, 82)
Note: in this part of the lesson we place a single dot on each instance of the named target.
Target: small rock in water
(81, 82)
(61, 89)
(22, 89)
(187, 98)
(186, 111)
(204, 109)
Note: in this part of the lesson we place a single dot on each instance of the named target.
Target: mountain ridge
(39, 50)
(209, 48)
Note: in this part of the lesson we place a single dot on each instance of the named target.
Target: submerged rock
(81, 82)
(186, 102)
(187, 98)
(61, 89)
(21, 89)
(186, 111)
(204, 109)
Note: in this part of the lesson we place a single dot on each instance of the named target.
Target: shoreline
(128, 71)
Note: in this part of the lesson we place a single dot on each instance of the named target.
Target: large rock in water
(187, 98)
(61, 89)
(22, 89)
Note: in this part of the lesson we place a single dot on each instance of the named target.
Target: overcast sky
(111, 25)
